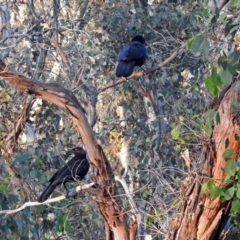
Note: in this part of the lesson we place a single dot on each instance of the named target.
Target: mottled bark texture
(201, 217)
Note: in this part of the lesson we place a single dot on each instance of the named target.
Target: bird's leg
(144, 70)
(72, 195)
(69, 195)
(65, 186)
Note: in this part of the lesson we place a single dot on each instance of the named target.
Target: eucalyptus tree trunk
(201, 217)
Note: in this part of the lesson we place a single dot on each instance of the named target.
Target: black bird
(133, 54)
(74, 170)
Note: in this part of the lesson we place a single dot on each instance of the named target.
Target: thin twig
(30, 204)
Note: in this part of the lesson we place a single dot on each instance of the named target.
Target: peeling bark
(201, 216)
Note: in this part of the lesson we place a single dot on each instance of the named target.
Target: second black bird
(74, 170)
(133, 54)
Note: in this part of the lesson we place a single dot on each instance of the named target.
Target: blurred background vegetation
(151, 128)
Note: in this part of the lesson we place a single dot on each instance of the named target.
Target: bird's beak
(77, 150)
(70, 151)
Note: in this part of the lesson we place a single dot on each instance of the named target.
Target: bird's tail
(125, 69)
(46, 193)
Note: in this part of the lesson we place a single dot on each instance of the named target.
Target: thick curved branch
(108, 202)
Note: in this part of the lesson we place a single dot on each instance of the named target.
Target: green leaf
(175, 132)
(235, 3)
(207, 185)
(238, 164)
(208, 82)
(181, 119)
(230, 168)
(22, 158)
(209, 115)
(200, 44)
(228, 66)
(19, 223)
(233, 58)
(205, 13)
(214, 19)
(232, 29)
(235, 206)
(238, 194)
(3, 188)
(150, 220)
(226, 76)
(229, 193)
(238, 176)
(176, 202)
(216, 80)
(213, 89)
(33, 174)
(12, 198)
(62, 224)
(217, 12)
(189, 43)
(208, 129)
(213, 81)
(228, 27)
(216, 192)
(228, 154)
(222, 17)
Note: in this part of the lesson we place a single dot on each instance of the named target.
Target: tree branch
(140, 74)
(108, 201)
(9, 142)
(31, 204)
(137, 215)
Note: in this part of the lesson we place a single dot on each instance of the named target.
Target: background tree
(152, 128)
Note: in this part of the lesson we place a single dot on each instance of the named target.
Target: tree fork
(106, 194)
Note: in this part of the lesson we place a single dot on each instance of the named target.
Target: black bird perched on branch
(133, 54)
(74, 170)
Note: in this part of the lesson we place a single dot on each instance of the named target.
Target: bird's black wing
(132, 51)
(125, 68)
(80, 168)
(54, 182)
(73, 170)
(132, 55)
